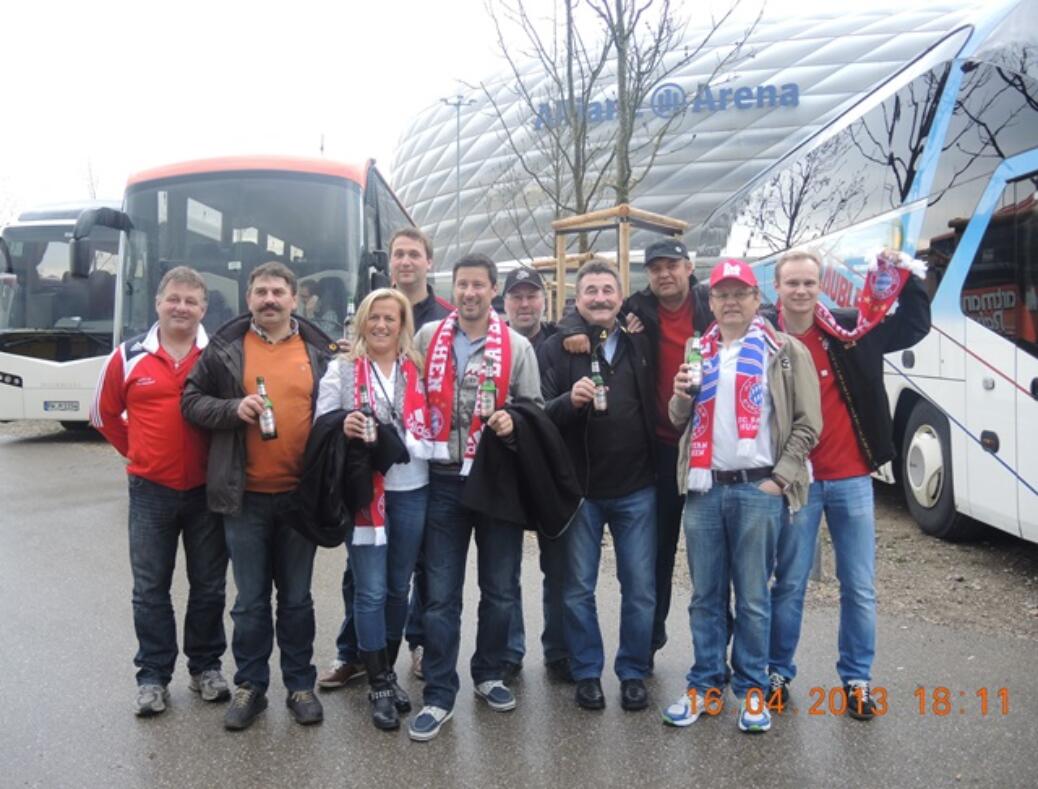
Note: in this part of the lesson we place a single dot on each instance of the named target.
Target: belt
(741, 475)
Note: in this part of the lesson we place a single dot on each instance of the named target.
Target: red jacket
(144, 381)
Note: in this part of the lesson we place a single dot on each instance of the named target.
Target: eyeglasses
(733, 295)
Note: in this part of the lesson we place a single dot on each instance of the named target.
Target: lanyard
(389, 401)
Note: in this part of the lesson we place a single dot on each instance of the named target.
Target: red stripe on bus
(289, 164)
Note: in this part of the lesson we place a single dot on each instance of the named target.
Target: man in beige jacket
(749, 425)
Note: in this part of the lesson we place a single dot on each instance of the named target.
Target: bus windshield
(39, 293)
(226, 224)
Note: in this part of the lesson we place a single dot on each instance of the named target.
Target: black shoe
(246, 704)
(633, 695)
(511, 670)
(382, 694)
(305, 707)
(559, 670)
(778, 684)
(860, 705)
(401, 700)
(589, 694)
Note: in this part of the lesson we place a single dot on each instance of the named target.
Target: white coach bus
(942, 162)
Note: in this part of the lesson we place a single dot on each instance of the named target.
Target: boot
(402, 700)
(383, 710)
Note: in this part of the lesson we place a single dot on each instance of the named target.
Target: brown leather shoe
(339, 674)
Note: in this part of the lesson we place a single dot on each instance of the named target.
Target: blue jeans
(266, 551)
(414, 633)
(848, 507)
(448, 530)
(730, 536)
(632, 522)
(382, 573)
(158, 517)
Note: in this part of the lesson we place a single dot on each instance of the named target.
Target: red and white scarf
(757, 347)
(883, 285)
(440, 374)
(369, 522)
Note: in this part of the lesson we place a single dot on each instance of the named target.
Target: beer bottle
(694, 360)
(599, 404)
(370, 429)
(486, 403)
(268, 427)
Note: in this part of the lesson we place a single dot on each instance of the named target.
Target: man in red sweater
(144, 377)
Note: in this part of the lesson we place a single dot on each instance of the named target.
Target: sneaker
(416, 661)
(755, 722)
(498, 697)
(246, 704)
(151, 700)
(860, 704)
(305, 707)
(339, 674)
(680, 713)
(426, 724)
(776, 682)
(210, 685)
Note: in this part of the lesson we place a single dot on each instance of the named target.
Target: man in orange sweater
(251, 480)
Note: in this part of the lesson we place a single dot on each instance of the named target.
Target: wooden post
(560, 275)
(623, 254)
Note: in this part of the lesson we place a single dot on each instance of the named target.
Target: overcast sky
(121, 86)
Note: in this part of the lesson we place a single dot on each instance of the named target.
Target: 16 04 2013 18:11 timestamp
(941, 701)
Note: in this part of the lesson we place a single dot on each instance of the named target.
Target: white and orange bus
(328, 221)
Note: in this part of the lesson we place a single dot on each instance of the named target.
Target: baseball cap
(523, 276)
(732, 269)
(671, 248)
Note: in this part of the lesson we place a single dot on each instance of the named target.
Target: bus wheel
(76, 427)
(926, 475)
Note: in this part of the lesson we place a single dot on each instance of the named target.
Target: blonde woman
(382, 369)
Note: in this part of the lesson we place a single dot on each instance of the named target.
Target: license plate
(60, 405)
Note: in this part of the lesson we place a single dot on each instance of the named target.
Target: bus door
(1026, 331)
(987, 300)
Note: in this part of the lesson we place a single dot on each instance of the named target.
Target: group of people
(686, 406)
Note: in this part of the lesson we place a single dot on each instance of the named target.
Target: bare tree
(554, 80)
(650, 41)
(92, 180)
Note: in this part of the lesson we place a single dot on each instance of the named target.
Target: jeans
(382, 573)
(730, 534)
(668, 527)
(848, 507)
(448, 530)
(158, 517)
(631, 521)
(266, 551)
(554, 563)
(414, 633)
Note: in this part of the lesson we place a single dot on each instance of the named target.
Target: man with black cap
(672, 308)
(524, 304)
(524, 298)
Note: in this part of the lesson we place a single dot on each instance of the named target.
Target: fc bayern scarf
(369, 522)
(883, 284)
(757, 345)
(440, 381)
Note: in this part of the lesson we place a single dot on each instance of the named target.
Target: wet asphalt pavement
(66, 685)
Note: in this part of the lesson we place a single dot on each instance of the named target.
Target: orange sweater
(275, 466)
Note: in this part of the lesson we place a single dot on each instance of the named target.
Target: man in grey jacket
(752, 420)
(470, 354)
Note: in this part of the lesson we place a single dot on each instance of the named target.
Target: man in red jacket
(144, 378)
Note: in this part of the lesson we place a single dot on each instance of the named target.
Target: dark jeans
(448, 531)
(375, 583)
(414, 633)
(669, 504)
(265, 551)
(158, 517)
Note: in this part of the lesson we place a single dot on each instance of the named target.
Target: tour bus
(55, 320)
(941, 162)
(327, 221)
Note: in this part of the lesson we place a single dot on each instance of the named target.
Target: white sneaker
(151, 700)
(680, 713)
(210, 685)
(757, 721)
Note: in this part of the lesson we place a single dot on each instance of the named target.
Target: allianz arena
(801, 72)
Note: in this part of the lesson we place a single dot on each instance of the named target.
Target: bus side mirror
(80, 255)
(5, 257)
(380, 260)
(379, 280)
